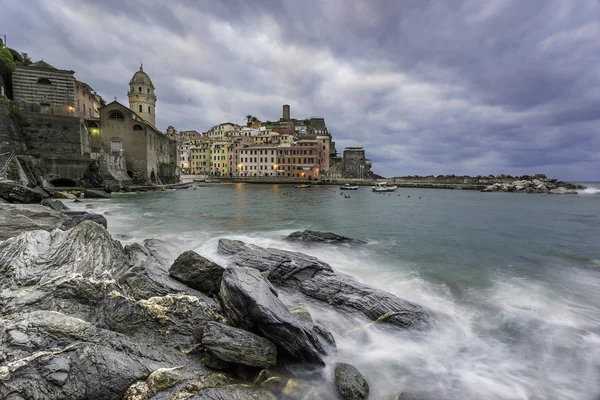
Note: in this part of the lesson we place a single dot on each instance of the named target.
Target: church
(130, 132)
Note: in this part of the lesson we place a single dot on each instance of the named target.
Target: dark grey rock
(316, 279)
(56, 205)
(350, 383)
(78, 217)
(252, 303)
(285, 268)
(233, 392)
(71, 359)
(13, 192)
(238, 346)
(322, 237)
(19, 218)
(96, 194)
(197, 272)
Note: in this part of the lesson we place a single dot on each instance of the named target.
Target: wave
(589, 190)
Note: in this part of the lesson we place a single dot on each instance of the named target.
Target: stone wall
(10, 135)
(54, 136)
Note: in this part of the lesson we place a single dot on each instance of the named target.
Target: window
(137, 128)
(140, 108)
(149, 110)
(115, 145)
(140, 89)
(148, 90)
(44, 81)
(116, 115)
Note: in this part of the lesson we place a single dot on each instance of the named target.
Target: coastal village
(73, 134)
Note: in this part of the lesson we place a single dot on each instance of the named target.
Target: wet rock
(197, 272)
(96, 194)
(159, 380)
(347, 294)
(234, 392)
(237, 346)
(322, 237)
(350, 384)
(284, 267)
(299, 310)
(78, 217)
(56, 205)
(63, 195)
(252, 304)
(317, 280)
(19, 218)
(14, 192)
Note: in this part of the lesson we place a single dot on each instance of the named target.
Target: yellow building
(219, 159)
(200, 157)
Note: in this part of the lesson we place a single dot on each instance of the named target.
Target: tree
(248, 119)
(20, 58)
(7, 62)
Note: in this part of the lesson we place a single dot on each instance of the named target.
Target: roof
(140, 77)
(44, 65)
(41, 64)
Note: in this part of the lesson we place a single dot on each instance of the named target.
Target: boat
(301, 186)
(347, 186)
(383, 187)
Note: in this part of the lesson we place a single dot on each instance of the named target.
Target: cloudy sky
(428, 87)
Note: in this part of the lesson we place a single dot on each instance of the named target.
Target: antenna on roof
(141, 65)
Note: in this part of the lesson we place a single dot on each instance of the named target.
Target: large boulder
(19, 218)
(197, 272)
(55, 356)
(238, 346)
(96, 194)
(13, 192)
(322, 237)
(251, 303)
(351, 385)
(63, 195)
(316, 279)
(284, 267)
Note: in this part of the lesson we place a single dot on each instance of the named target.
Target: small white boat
(383, 187)
(347, 186)
(301, 186)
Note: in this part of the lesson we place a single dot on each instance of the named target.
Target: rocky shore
(535, 185)
(83, 316)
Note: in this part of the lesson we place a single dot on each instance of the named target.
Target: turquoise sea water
(513, 279)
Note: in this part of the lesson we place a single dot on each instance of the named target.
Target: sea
(512, 280)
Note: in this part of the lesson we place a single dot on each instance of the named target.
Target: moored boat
(384, 187)
(347, 186)
(301, 186)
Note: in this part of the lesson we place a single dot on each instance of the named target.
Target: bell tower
(142, 99)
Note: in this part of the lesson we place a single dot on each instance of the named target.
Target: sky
(472, 87)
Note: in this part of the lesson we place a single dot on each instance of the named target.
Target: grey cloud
(459, 86)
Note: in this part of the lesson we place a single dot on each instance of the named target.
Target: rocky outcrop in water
(197, 272)
(350, 383)
(251, 303)
(96, 194)
(317, 280)
(322, 237)
(535, 185)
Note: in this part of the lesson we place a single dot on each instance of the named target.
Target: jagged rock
(197, 272)
(284, 267)
(350, 384)
(160, 379)
(16, 193)
(316, 279)
(54, 356)
(322, 237)
(56, 205)
(96, 194)
(18, 218)
(63, 195)
(562, 190)
(299, 310)
(347, 294)
(251, 303)
(237, 346)
(78, 217)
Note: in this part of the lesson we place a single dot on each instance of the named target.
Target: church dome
(141, 77)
